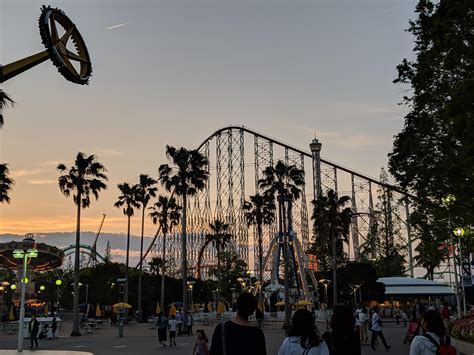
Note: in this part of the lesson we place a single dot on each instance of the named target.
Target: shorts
(172, 334)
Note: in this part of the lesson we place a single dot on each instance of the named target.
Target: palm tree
(285, 181)
(85, 177)
(5, 183)
(145, 190)
(185, 178)
(5, 100)
(260, 211)
(331, 226)
(156, 264)
(166, 212)
(127, 199)
(219, 239)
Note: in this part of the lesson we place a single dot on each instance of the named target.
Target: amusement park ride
(64, 46)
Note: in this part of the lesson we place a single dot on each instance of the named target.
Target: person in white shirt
(363, 322)
(377, 330)
(172, 327)
(434, 334)
(303, 338)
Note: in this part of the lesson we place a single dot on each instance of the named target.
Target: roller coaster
(237, 157)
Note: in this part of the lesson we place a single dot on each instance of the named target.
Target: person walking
(364, 326)
(190, 323)
(377, 330)
(342, 339)
(33, 329)
(54, 327)
(433, 338)
(237, 336)
(162, 326)
(303, 337)
(201, 343)
(172, 327)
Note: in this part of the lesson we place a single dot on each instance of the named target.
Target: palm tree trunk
(75, 319)
(260, 264)
(125, 291)
(218, 274)
(287, 322)
(140, 312)
(334, 268)
(163, 270)
(184, 260)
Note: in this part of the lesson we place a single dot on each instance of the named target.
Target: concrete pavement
(140, 339)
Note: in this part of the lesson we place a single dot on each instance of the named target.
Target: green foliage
(231, 269)
(363, 274)
(6, 183)
(330, 218)
(433, 156)
(5, 100)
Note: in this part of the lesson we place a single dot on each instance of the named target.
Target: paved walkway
(140, 339)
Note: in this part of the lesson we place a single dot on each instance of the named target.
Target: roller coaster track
(226, 190)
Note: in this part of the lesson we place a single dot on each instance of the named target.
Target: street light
(325, 282)
(58, 283)
(354, 290)
(28, 251)
(190, 288)
(459, 232)
(447, 202)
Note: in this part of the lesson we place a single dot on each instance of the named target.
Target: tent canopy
(408, 286)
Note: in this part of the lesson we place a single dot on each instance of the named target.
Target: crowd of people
(349, 331)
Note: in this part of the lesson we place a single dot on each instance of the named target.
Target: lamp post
(190, 287)
(459, 232)
(58, 283)
(325, 282)
(354, 290)
(28, 251)
(447, 202)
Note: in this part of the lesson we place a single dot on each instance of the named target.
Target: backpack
(444, 348)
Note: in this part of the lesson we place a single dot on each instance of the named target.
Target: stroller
(412, 331)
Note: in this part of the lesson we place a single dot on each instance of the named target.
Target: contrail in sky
(117, 26)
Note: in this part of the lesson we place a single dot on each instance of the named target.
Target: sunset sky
(175, 71)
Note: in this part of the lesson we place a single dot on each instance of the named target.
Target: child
(172, 327)
(201, 344)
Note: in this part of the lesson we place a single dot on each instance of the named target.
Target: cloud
(43, 181)
(26, 172)
(108, 152)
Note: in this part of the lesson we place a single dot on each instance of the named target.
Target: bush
(462, 329)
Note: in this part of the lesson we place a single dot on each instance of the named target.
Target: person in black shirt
(343, 339)
(33, 328)
(237, 337)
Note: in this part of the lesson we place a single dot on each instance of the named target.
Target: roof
(408, 286)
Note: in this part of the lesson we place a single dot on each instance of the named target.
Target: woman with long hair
(434, 335)
(303, 337)
(343, 339)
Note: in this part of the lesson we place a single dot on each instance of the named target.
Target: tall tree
(219, 238)
(5, 100)
(108, 253)
(260, 212)
(127, 200)
(166, 212)
(6, 183)
(331, 227)
(145, 190)
(185, 177)
(433, 156)
(285, 182)
(83, 179)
